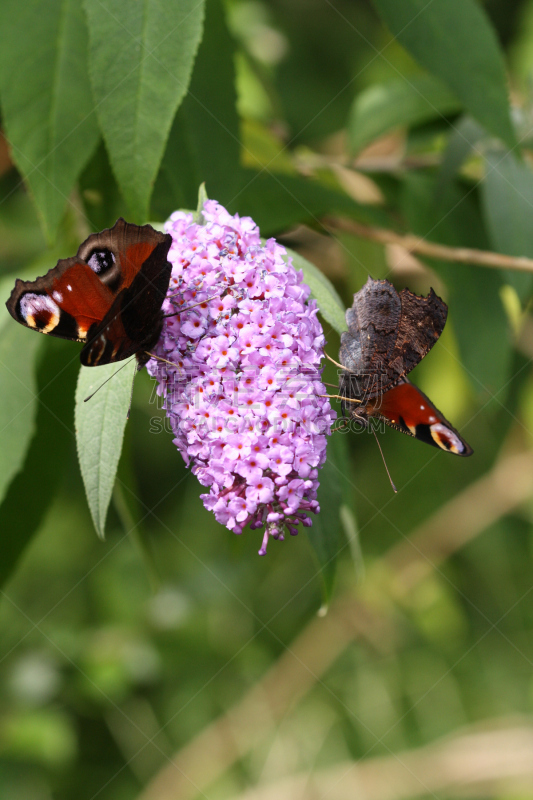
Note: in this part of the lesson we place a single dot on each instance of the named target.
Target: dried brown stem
(415, 244)
(484, 763)
(304, 663)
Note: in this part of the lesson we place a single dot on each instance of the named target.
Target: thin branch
(477, 763)
(303, 664)
(415, 244)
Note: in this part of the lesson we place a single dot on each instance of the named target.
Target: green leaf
(202, 197)
(403, 102)
(46, 99)
(141, 58)
(100, 424)
(454, 40)
(44, 466)
(325, 533)
(474, 292)
(329, 303)
(507, 194)
(204, 142)
(18, 389)
(464, 138)
(275, 202)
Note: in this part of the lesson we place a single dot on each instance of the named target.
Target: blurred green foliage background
(170, 661)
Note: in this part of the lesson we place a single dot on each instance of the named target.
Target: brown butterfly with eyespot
(388, 334)
(108, 296)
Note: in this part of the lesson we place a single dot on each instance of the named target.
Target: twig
(478, 763)
(415, 244)
(302, 665)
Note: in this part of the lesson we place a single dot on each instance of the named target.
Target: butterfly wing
(422, 321)
(388, 335)
(65, 302)
(133, 323)
(407, 409)
(109, 295)
(373, 322)
(410, 411)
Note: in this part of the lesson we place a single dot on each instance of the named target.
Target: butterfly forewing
(109, 295)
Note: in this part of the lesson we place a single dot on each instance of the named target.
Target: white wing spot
(69, 287)
(422, 408)
(58, 297)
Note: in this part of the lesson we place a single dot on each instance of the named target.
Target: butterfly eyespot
(100, 261)
(446, 439)
(39, 311)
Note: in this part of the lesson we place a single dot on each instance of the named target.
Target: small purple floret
(243, 389)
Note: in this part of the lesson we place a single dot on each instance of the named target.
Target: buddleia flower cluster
(238, 369)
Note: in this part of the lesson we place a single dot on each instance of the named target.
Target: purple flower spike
(243, 387)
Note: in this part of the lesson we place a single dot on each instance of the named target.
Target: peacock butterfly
(109, 295)
(388, 334)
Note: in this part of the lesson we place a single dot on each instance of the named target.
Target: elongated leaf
(18, 389)
(46, 98)
(329, 302)
(454, 40)
(204, 142)
(325, 533)
(278, 201)
(141, 58)
(507, 193)
(463, 139)
(33, 489)
(100, 424)
(405, 101)
(475, 308)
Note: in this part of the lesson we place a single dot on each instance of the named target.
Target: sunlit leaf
(402, 102)
(329, 302)
(18, 389)
(46, 98)
(44, 464)
(278, 201)
(141, 58)
(473, 292)
(464, 138)
(100, 424)
(507, 193)
(454, 40)
(325, 533)
(204, 141)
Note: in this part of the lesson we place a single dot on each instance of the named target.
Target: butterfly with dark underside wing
(109, 295)
(388, 334)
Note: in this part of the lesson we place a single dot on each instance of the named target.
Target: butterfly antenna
(394, 489)
(336, 363)
(175, 313)
(131, 393)
(106, 380)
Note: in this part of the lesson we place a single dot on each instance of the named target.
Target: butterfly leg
(341, 427)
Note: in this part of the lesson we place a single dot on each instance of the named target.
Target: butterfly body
(388, 334)
(108, 296)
